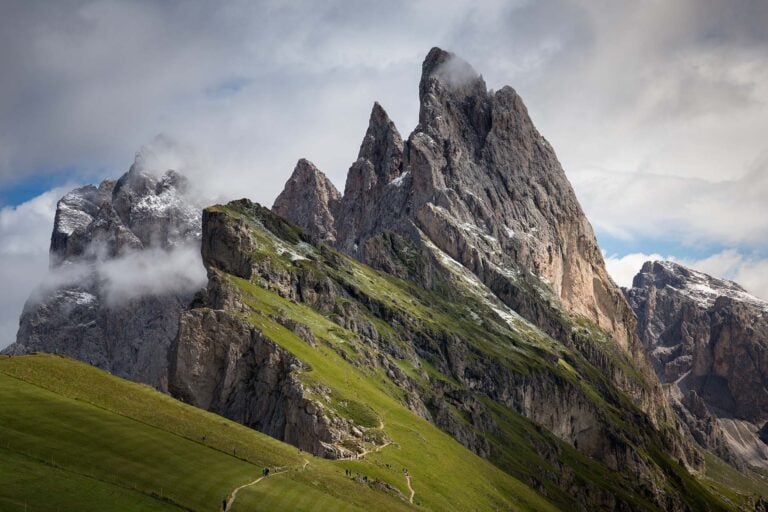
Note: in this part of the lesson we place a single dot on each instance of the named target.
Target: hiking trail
(233, 494)
(410, 487)
(361, 455)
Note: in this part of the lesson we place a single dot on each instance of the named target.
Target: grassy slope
(457, 479)
(739, 488)
(519, 346)
(76, 438)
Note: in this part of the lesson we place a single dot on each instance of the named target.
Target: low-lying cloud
(153, 272)
(25, 232)
(456, 72)
(149, 272)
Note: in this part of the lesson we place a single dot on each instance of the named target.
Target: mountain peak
(702, 288)
(434, 59)
(309, 200)
(480, 183)
(382, 146)
(707, 338)
(444, 71)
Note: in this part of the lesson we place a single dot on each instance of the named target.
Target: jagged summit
(707, 338)
(99, 236)
(451, 91)
(368, 199)
(478, 180)
(477, 186)
(699, 286)
(450, 70)
(138, 211)
(310, 201)
(382, 146)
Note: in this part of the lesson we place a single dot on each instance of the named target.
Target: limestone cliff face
(223, 363)
(310, 201)
(708, 340)
(477, 181)
(98, 234)
(489, 190)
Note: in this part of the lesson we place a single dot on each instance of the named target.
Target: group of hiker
(350, 473)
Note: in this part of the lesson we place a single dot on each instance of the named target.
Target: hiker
(267, 472)
(224, 504)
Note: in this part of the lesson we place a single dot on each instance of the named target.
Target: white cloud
(153, 272)
(25, 231)
(624, 268)
(177, 270)
(696, 211)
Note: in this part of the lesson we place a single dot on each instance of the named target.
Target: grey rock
(73, 312)
(222, 364)
(310, 201)
(476, 180)
(367, 199)
(708, 340)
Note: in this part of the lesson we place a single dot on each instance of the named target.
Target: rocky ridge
(75, 312)
(464, 361)
(475, 182)
(708, 341)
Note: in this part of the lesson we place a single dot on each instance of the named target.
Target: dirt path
(410, 488)
(233, 495)
(362, 454)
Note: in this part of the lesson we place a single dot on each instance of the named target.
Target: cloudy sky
(658, 110)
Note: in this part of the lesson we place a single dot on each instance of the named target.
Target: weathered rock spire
(379, 162)
(310, 201)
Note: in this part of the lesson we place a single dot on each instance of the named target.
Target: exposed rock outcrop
(368, 203)
(708, 340)
(88, 308)
(310, 201)
(225, 365)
